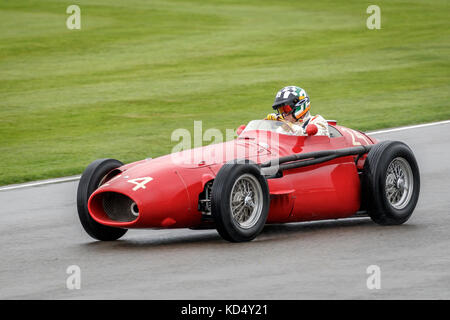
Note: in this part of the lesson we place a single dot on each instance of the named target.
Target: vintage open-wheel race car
(263, 176)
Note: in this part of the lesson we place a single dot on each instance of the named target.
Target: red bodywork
(167, 191)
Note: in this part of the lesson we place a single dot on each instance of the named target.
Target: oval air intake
(119, 207)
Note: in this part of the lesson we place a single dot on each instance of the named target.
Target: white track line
(40, 183)
(75, 178)
(409, 127)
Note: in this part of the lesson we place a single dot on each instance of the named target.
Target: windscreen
(269, 125)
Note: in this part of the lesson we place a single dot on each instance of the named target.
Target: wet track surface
(41, 236)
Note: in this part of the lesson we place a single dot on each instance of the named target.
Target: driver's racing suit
(299, 128)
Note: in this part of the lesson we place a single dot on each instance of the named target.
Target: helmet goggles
(285, 110)
(297, 107)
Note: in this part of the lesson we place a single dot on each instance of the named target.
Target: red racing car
(265, 175)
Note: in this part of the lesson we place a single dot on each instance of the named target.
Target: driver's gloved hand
(274, 116)
(311, 129)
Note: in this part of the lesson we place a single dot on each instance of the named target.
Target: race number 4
(140, 182)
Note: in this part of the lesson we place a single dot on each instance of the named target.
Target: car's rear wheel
(92, 178)
(391, 182)
(239, 201)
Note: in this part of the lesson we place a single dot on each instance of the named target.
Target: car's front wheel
(92, 178)
(239, 201)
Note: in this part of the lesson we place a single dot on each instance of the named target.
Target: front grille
(119, 207)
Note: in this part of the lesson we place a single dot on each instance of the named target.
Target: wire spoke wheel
(240, 201)
(399, 183)
(391, 183)
(246, 201)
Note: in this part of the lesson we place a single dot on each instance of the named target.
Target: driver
(292, 105)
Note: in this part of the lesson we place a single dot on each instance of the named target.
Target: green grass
(137, 70)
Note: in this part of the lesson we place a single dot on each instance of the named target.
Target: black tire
(228, 227)
(375, 189)
(89, 182)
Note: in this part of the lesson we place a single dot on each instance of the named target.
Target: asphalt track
(41, 236)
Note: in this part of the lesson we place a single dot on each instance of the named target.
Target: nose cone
(143, 196)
